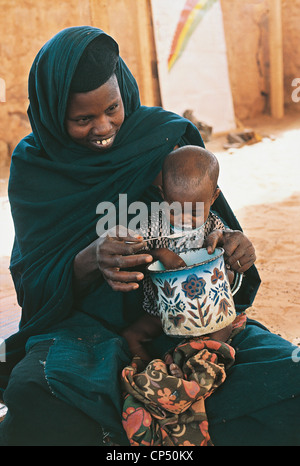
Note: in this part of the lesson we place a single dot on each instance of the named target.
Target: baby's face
(192, 205)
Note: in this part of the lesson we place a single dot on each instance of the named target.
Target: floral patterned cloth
(163, 410)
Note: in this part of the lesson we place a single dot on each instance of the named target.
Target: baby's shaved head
(188, 166)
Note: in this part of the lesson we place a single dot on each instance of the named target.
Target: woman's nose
(102, 126)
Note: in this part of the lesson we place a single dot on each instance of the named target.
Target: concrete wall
(25, 25)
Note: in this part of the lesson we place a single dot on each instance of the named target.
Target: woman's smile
(100, 143)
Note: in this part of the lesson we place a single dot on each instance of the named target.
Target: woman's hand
(239, 252)
(116, 253)
(109, 258)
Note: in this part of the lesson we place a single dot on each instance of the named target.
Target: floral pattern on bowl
(196, 299)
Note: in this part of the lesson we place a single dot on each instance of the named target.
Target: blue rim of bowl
(187, 267)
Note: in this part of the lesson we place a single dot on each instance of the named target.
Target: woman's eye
(113, 108)
(83, 121)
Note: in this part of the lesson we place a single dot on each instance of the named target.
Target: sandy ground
(261, 183)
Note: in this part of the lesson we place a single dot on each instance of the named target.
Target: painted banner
(192, 60)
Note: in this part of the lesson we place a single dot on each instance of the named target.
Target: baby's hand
(169, 259)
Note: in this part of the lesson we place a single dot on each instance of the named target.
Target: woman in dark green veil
(77, 291)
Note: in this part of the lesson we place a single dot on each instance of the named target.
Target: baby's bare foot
(176, 371)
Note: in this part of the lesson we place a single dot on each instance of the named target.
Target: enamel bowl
(197, 299)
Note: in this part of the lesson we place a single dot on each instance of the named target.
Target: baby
(189, 174)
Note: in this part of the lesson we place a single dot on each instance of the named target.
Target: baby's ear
(216, 194)
(160, 191)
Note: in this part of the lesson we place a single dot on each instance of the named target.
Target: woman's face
(94, 118)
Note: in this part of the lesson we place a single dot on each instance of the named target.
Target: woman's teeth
(104, 142)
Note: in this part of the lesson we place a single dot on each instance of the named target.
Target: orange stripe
(186, 12)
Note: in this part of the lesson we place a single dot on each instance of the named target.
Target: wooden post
(99, 14)
(147, 53)
(129, 23)
(276, 59)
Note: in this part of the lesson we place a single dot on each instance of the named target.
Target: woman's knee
(27, 380)
(36, 416)
(275, 425)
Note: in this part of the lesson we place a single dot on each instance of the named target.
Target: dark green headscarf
(55, 186)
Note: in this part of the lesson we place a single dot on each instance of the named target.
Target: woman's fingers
(122, 245)
(119, 231)
(122, 286)
(118, 252)
(239, 252)
(123, 262)
(113, 244)
(123, 234)
(121, 280)
(242, 259)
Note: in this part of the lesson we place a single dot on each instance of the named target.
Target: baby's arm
(168, 258)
